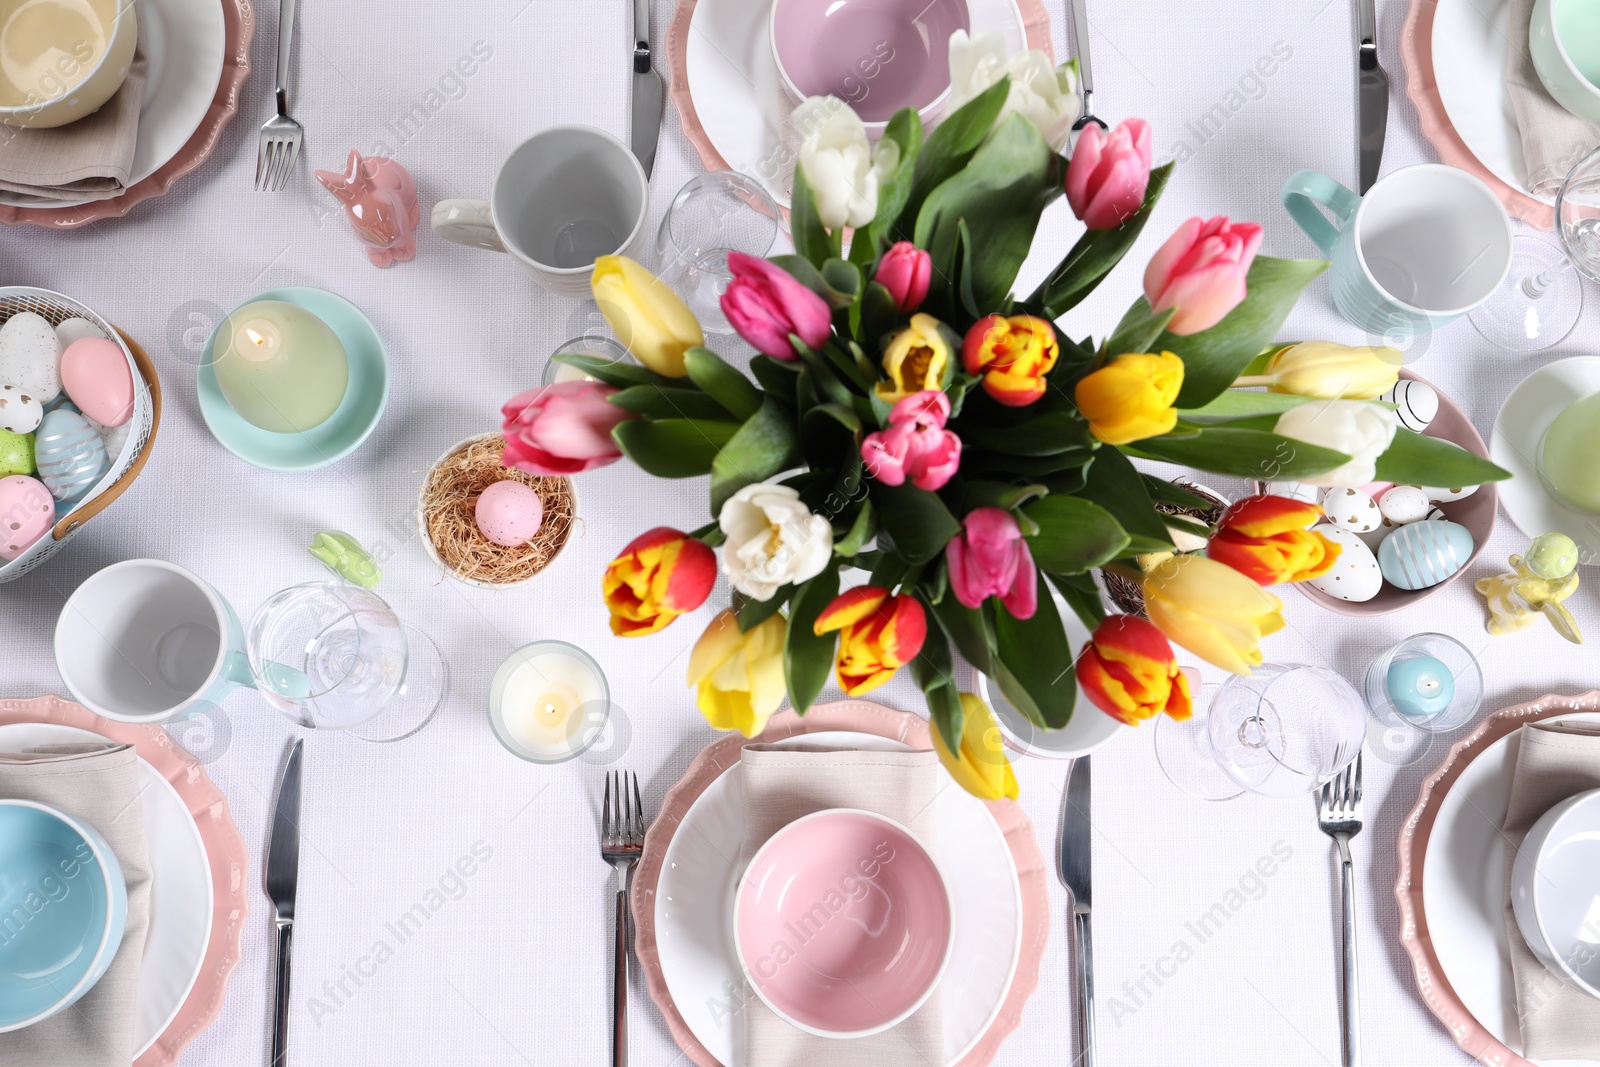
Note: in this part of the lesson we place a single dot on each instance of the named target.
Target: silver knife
(647, 90)
(1372, 93)
(1074, 855)
(283, 878)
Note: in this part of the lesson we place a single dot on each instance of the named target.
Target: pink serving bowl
(843, 923)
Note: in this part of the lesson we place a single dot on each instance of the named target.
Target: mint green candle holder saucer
(364, 400)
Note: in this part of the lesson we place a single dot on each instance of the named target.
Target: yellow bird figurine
(1536, 586)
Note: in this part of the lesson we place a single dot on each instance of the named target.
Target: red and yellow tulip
(660, 575)
(980, 767)
(879, 634)
(1265, 538)
(1130, 673)
(1012, 356)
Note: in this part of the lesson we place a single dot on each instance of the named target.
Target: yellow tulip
(1212, 610)
(1325, 370)
(1131, 397)
(647, 316)
(981, 768)
(916, 359)
(738, 677)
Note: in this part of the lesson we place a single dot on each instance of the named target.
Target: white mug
(563, 198)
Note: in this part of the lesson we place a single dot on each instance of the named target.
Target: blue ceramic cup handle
(1306, 193)
(236, 670)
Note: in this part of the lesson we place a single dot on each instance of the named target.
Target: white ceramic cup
(146, 641)
(563, 198)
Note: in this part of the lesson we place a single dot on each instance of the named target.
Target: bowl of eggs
(79, 407)
(1400, 544)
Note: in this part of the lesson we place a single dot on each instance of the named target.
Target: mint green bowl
(1564, 38)
(349, 425)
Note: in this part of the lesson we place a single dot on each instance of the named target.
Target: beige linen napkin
(91, 159)
(784, 784)
(100, 785)
(1553, 138)
(1555, 761)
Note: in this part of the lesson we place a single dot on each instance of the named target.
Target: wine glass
(335, 656)
(1544, 302)
(718, 212)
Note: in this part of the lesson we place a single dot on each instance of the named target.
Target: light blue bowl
(364, 398)
(63, 906)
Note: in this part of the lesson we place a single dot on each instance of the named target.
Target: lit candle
(548, 702)
(1420, 686)
(281, 367)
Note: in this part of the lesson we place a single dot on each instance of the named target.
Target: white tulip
(1359, 429)
(772, 539)
(840, 165)
(1044, 95)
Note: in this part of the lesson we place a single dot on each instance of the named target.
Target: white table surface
(517, 969)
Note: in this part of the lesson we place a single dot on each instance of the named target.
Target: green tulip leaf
(967, 628)
(1416, 459)
(1046, 434)
(1137, 331)
(1074, 535)
(619, 374)
(752, 613)
(1034, 662)
(917, 521)
(949, 148)
(1231, 405)
(1115, 485)
(801, 270)
(1040, 467)
(1082, 596)
(981, 493)
(673, 448)
(667, 402)
(1094, 256)
(719, 380)
(863, 528)
(905, 130)
(777, 376)
(1243, 453)
(767, 444)
(807, 658)
(934, 671)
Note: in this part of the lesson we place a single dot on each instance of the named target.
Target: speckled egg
(1445, 494)
(1351, 509)
(16, 453)
(26, 513)
(1294, 491)
(509, 513)
(1403, 504)
(30, 356)
(20, 410)
(70, 455)
(1355, 575)
(72, 330)
(1416, 405)
(96, 375)
(115, 438)
(1424, 554)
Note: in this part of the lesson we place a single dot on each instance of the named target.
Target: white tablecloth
(514, 967)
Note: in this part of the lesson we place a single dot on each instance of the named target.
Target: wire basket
(123, 468)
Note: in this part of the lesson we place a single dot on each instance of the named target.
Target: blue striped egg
(70, 455)
(1422, 554)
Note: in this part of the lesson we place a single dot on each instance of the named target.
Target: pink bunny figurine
(381, 200)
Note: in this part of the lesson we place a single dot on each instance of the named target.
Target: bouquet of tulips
(909, 418)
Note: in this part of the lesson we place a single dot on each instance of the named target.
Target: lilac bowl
(878, 56)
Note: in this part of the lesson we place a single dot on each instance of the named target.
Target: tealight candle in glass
(1427, 682)
(549, 702)
(590, 345)
(280, 367)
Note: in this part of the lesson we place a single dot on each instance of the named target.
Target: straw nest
(1124, 592)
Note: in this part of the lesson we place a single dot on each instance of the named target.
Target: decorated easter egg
(20, 410)
(1403, 504)
(1294, 491)
(1445, 494)
(30, 356)
(1436, 513)
(115, 438)
(1355, 575)
(509, 513)
(1422, 554)
(26, 513)
(16, 453)
(72, 330)
(95, 374)
(1415, 404)
(1351, 509)
(70, 455)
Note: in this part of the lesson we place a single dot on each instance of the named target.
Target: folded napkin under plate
(1553, 138)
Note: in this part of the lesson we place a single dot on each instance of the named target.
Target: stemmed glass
(335, 656)
(1541, 308)
(718, 212)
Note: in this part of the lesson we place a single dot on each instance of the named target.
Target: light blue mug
(1426, 245)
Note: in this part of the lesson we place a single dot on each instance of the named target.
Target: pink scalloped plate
(1415, 935)
(852, 716)
(1422, 86)
(225, 851)
(239, 22)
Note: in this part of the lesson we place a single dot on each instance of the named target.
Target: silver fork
(621, 844)
(280, 135)
(1339, 815)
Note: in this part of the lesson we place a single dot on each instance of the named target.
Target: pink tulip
(990, 558)
(1201, 272)
(562, 429)
(905, 271)
(765, 304)
(1109, 173)
(916, 445)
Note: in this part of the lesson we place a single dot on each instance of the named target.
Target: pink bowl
(878, 56)
(843, 923)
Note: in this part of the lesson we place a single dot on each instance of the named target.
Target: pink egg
(509, 513)
(95, 374)
(26, 513)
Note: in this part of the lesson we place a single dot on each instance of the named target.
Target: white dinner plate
(185, 44)
(1518, 433)
(1464, 890)
(739, 98)
(1470, 50)
(694, 906)
(180, 887)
